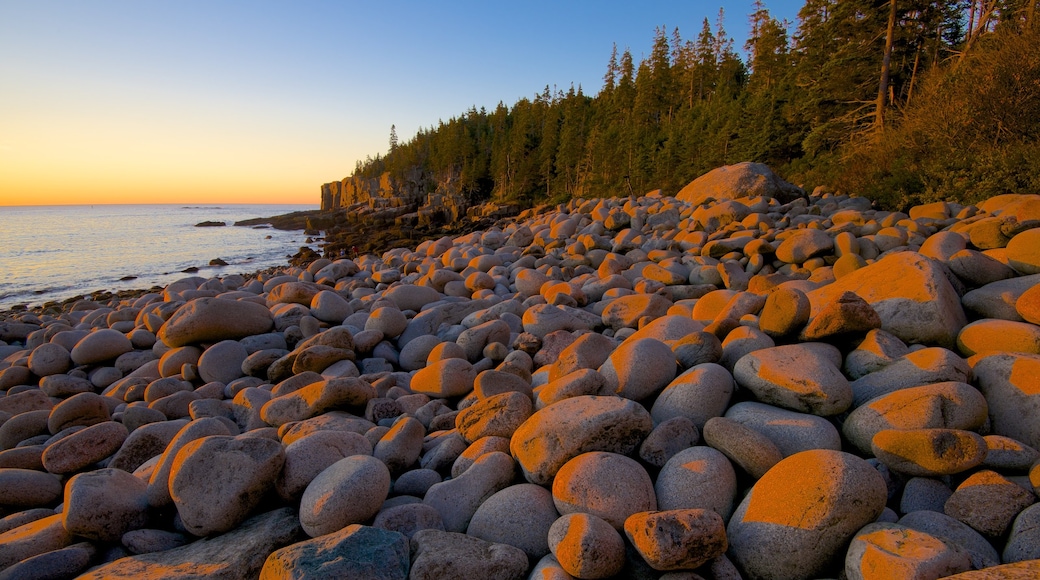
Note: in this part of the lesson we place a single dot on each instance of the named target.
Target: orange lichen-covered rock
(1011, 384)
(677, 539)
(988, 502)
(802, 513)
(993, 335)
(587, 546)
(949, 405)
(884, 550)
(567, 428)
(909, 292)
(796, 377)
(929, 452)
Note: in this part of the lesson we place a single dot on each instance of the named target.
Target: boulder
(736, 181)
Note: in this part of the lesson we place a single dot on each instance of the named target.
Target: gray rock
(438, 555)
(349, 491)
(356, 551)
(236, 555)
(697, 478)
(519, 515)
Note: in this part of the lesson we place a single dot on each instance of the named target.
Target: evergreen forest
(903, 101)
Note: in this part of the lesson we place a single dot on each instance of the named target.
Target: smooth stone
(437, 555)
(607, 485)
(697, 478)
(785, 312)
(804, 244)
(1024, 539)
(924, 493)
(22, 427)
(697, 348)
(458, 499)
(213, 320)
(1027, 569)
(84, 409)
(239, 553)
(1022, 252)
(1010, 455)
(476, 450)
(929, 452)
(103, 505)
(567, 428)
(909, 292)
(639, 368)
(411, 296)
(350, 491)
(668, 438)
(588, 351)
(586, 546)
(946, 405)
(801, 514)
(32, 539)
(28, 488)
(216, 481)
(954, 533)
(158, 483)
(49, 359)
(988, 503)
(498, 416)
(408, 518)
(542, 319)
(416, 482)
(84, 447)
(998, 336)
(61, 386)
(144, 443)
(586, 381)
(308, 456)
(741, 341)
(519, 515)
(1027, 305)
(66, 562)
(1000, 299)
(401, 446)
(356, 551)
(895, 551)
(473, 340)
(451, 377)
(699, 393)
(677, 539)
(920, 367)
(222, 362)
(795, 377)
(173, 360)
(317, 398)
(328, 306)
(747, 448)
(1011, 385)
(441, 458)
(495, 382)
(627, 311)
(790, 431)
(100, 345)
(846, 316)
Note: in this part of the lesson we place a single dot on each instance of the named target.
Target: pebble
(796, 377)
(894, 551)
(638, 368)
(929, 452)
(698, 394)
(216, 481)
(84, 447)
(308, 456)
(752, 451)
(552, 436)
(789, 431)
(607, 485)
(350, 491)
(698, 477)
(677, 539)
(586, 546)
(458, 499)
(104, 504)
(988, 503)
(519, 515)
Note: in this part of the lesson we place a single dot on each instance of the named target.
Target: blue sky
(220, 101)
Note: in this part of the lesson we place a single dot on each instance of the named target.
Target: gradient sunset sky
(261, 102)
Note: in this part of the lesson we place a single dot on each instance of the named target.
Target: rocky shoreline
(741, 381)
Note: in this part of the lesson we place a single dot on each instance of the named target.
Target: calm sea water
(59, 252)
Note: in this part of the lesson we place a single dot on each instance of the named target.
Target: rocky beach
(744, 380)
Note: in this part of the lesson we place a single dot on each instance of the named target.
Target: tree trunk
(886, 65)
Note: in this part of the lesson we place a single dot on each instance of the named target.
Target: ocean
(53, 253)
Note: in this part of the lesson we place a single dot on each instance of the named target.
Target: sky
(219, 101)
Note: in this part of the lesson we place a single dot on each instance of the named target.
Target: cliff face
(384, 191)
(388, 197)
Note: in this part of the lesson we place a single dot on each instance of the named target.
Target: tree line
(904, 101)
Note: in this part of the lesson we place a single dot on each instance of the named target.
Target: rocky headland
(740, 381)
